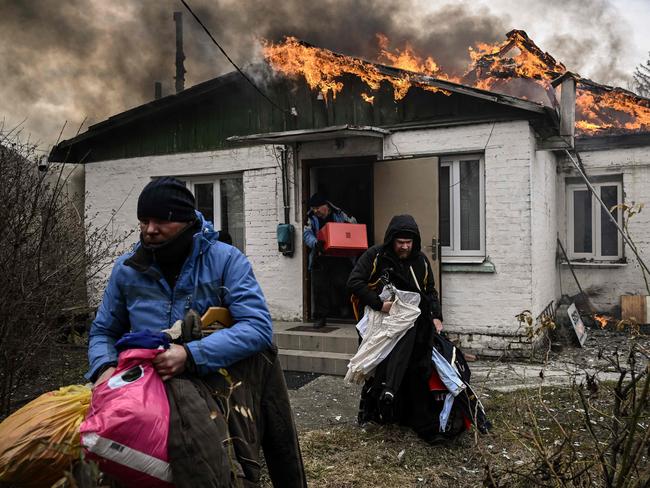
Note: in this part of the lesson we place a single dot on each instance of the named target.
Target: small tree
(47, 256)
(642, 79)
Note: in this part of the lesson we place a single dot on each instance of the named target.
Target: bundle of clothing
(216, 423)
(435, 397)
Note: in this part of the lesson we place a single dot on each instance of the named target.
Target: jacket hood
(207, 230)
(403, 223)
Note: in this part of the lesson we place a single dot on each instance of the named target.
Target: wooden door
(409, 186)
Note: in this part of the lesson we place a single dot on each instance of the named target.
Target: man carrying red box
(329, 274)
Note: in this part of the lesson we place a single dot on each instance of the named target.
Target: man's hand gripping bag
(128, 422)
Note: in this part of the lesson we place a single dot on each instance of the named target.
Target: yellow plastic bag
(39, 441)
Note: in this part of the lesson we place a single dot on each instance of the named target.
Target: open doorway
(347, 183)
(373, 191)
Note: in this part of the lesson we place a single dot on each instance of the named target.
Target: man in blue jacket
(329, 274)
(178, 265)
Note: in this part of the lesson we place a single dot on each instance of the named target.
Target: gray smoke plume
(590, 37)
(64, 61)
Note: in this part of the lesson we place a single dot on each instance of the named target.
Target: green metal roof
(213, 114)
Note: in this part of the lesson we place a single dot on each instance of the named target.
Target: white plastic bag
(381, 331)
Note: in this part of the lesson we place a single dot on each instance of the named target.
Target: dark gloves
(191, 326)
(186, 330)
(320, 247)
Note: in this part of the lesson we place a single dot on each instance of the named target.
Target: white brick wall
(607, 284)
(545, 275)
(482, 302)
(522, 193)
(115, 186)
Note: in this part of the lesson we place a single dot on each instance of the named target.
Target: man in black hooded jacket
(398, 391)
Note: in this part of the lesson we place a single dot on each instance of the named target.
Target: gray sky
(89, 59)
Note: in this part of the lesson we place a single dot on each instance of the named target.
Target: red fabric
(435, 383)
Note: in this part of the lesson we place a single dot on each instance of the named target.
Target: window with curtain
(591, 234)
(462, 203)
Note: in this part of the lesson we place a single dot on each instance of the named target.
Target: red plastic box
(343, 239)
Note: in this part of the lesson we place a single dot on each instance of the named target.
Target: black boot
(386, 406)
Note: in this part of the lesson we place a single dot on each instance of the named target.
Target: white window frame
(216, 194)
(596, 222)
(453, 253)
(215, 180)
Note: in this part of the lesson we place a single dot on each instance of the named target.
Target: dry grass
(351, 456)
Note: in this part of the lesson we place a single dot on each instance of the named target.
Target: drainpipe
(284, 154)
(285, 232)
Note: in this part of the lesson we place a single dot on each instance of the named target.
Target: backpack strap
(424, 280)
(354, 300)
(373, 285)
(426, 272)
(415, 279)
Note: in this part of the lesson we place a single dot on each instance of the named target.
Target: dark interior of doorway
(347, 183)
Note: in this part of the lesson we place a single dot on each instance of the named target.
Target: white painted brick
(113, 185)
(608, 284)
(520, 228)
(524, 211)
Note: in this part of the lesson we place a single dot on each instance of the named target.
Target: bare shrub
(595, 434)
(47, 257)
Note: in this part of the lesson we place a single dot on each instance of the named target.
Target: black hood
(403, 224)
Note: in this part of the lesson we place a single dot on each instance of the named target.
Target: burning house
(480, 160)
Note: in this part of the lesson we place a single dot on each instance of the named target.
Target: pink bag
(128, 422)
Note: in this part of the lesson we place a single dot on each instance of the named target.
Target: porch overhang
(309, 135)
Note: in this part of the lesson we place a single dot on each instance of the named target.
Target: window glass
(470, 206)
(204, 195)
(445, 210)
(608, 232)
(582, 221)
(232, 210)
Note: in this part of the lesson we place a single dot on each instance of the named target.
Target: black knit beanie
(317, 199)
(404, 234)
(166, 198)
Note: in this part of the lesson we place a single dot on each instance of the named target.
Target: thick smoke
(590, 37)
(64, 61)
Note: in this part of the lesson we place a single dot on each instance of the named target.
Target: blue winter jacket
(310, 232)
(215, 274)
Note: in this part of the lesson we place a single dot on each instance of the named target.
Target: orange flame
(323, 69)
(407, 60)
(602, 320)
(515, 67)
(598, 111)
(368, 98)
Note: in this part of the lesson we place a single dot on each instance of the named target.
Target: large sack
(128, 423)
(40, 441)
(380, 332)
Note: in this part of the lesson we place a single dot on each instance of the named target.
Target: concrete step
(334, 338)
(314, 361)
(326, 351)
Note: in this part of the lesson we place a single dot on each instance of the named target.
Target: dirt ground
(327, 401)
(339, 453)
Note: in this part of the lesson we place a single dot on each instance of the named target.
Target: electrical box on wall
(285, 234)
